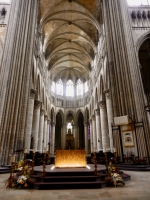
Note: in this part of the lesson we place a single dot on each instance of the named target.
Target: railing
(140, 17)
(69, 102)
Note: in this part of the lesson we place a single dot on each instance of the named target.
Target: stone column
(109, 116)
(63, 139)
(104, 125)
(53, 138)
(35, 123)
(28, 129)
(45, 131)
(15, 69)
(94, 133)
(98, 130)
(41, 128)
(86, 137)
(91, 135)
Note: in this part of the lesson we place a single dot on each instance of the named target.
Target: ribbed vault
(70, 31)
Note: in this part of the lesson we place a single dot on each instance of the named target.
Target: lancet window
(59, 87)
(69, 88)
(79, 88)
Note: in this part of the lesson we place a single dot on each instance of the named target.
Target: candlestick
(104, 149)
(10, 180)
(13, 159)
(44, 164)
(114, 149)
(95, 162)
(106, 160)
(33, 161)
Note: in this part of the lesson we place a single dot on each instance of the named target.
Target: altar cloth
(70, 158)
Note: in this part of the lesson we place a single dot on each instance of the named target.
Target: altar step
(72, 180)
(5, 169)
(133, 167)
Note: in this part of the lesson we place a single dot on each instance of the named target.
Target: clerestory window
(69, 88)
(4, 1)
(79, 88)
(138, 2)
(59, 87)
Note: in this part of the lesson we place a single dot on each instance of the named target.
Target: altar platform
(71, 178)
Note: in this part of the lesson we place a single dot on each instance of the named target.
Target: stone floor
(138, 188)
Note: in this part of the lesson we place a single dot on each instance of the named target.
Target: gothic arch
(142, 39)
(71, 112)
(62, 114)
(77, 114)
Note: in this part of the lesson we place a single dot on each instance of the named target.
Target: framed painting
(128, 138)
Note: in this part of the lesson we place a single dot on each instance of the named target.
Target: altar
(70, 158)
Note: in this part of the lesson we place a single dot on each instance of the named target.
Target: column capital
(93, 117)
(102, 104)
(49, 121)
(37, 103)
(107, 94)
(53, 123)
(45, 117)
(90, 121)
(97, 113)
(86, 124)
(42, 112)
(32, 93)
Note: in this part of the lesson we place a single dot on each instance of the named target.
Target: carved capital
(42, 112)
(37, 103)
(32, 93)
(97, 113)
(102, 104)
(93, 117)
(90, 121)
(107, 94)
(45, 117)
(86, 124)
(53, 123)
(49, 121)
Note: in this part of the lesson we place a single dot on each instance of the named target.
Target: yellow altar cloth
(70, 158)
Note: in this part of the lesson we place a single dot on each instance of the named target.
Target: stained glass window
(86, 87)
(79, 87)
(59, 87)
(69, 88)
(53, 87)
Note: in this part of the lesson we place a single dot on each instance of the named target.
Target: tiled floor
(138, 188)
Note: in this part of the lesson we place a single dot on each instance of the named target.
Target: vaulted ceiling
(70, 31)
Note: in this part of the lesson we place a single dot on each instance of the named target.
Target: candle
(104, 149)
(13, 159)
(25, 151)
(114, 149)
